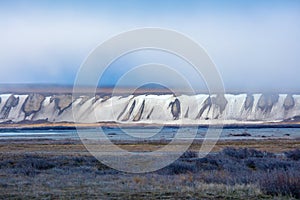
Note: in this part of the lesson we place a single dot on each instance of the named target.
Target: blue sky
(254, 44)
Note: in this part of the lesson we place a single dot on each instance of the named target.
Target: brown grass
(71, 147)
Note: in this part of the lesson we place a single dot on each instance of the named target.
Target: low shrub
(35, 163)
(179, 167)
(245, 153)
(189, 154)
(208, 163)
(274, 175)
(293, 155)
(278, 182)
(267, 164)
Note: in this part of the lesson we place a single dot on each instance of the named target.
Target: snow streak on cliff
(161, 109)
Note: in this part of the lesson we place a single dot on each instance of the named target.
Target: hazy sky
(255, 45)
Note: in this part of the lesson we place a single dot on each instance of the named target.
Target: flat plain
(237, 169)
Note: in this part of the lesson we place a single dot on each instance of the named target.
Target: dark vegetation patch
(274, 174)
(32, 165)
(281, 182)
(293, 155)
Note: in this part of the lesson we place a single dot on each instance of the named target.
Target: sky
(255, 45)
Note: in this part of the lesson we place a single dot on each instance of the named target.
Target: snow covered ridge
(184, 109)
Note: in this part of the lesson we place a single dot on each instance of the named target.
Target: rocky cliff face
(197, 109)
(11, 102)
(33, 104)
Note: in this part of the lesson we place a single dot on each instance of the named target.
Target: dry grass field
(63, 169)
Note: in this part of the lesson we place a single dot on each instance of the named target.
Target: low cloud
(255, 49)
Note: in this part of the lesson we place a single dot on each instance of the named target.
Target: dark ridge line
(123, 111)
(150, 113)
(186, 115)
(127, 116)
(206, 104)
(138, 116)
(249, 101)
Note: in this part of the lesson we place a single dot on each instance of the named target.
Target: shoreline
(72, 126)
